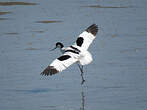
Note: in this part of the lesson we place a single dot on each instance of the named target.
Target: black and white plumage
(77, 53)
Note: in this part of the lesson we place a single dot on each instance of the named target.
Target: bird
(77, 53)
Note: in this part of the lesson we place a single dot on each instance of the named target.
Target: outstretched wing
(85, 39)
(59, 64)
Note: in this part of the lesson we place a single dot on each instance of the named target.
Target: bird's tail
(86, 59)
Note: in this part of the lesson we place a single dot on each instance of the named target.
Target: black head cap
(59, 44)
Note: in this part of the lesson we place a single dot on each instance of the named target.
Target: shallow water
(115, 80)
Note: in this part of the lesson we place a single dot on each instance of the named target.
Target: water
(115, 80)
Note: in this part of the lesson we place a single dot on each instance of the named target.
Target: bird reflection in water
(82, 100)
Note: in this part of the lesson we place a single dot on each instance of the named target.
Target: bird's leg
(83, 80)
(81, 69)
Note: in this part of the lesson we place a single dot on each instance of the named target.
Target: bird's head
(58, 45)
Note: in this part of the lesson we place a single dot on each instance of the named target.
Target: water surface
(115, 80)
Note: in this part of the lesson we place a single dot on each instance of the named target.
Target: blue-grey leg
(81, 69)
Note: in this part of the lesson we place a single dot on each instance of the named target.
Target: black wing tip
(93, 29)
(50, 70)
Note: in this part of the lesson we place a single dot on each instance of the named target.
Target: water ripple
(43, 90)
(16, 3)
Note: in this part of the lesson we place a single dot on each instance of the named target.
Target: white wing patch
(60, 64)
(86, 38)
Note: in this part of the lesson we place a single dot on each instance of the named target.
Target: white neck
(62, 50)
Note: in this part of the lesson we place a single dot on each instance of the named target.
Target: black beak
(53, 48)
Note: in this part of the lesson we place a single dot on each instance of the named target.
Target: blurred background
(115, 80)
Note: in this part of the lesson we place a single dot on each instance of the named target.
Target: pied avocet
(76, 53)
